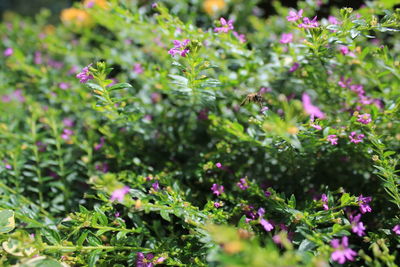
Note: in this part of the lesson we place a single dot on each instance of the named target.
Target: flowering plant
(177, 134)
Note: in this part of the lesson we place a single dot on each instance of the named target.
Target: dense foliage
(199, 133)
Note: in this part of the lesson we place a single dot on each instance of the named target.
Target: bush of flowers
(200, 133)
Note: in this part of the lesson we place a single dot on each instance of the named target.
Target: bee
(253, 97)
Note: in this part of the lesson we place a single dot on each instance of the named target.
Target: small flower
(154, 5)
(217, 189)
(295, 66)
(286, 38)
(344, 50)
(356, 226)
(310, 108)
(324, 200)
(315, 126)
(38, 58)
(64, 85)
(342, 251)
(307, 23)
(137, 68)
(85, 75)
(333, 139)
(68, 122)
(156, 186)
(396, 229)
(66, 134)
(218, 165)
(264, 109)
(333, 20)
(344, 83)
(363, 204)
(240, 37)
(226, 26)
(119, 194)
(243, 184)
(180, 47)
(144, 260)
(293, 15)
(100, 144)
(267, 194)
(217, 204)
(8, 52)
(356, 138)
(267, 225)
(364, 118)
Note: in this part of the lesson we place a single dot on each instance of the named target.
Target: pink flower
(317, 127)
(342, 251)
(310, 108)
(217, 204)
(8, 52)
(66, 134)
(243, 184)
(396, 229)
(68, 122)
(38, 58)
(180, 47)
(333, 139)
(324, 200)
(286, 38)
(137, 68)
(119, 194)
(90, 4)
(267, 225)
(100, 144)
(363, 204)
(241, 37)
(293, 15)
(85, 75)
(218, 165)
(295, 66)
(333, 20)
(344, 83)
(344, 50)
(64, 86)
(263, 109)
(356, 226)
(156, 186)
(307, 23)
(364, 118)
(226, 26)
(217, 189)
(356, 138)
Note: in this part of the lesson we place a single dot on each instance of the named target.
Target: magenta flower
(324, 200)
(38, 58)
(243, 184)
(241, 37)
(364, 118)
(156, 186)
(64, 86)
(344, 50)
(218, 165)
(356, 226)
(333, 20)
(363, 204)
(137, 68)
(267, 225)
(119, 194)
(180, 48)
(264, 109)
(342, 251)
(396, 229)
(90, 4)
(100, 144)
(85, 75)
(358, 89)
(66, 134)
(217, 204)
(310, 108)
(293, 15)
(144, 260)
(286, 38)
(344, 83)
(307, 23)
(68, 122)
(217, 189)
(226, 26)
(8, 52)
(317, 127)
(295, 66)
(333, 139)
(356, 138)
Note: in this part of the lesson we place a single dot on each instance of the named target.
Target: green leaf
(51, 235)
(94, 86)
(41, 262)
(82, 238)
(94, 257)
(345, 199)
(306, 245)
(165, 215)
(7, 221)
(93, 240)
(119, 86)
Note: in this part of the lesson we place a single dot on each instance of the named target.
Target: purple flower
(226, 26)
(66, 134)
(64, 86)
(264, 109)
(317, 127)
(218, 165)
(333, 139)
(203, 115)
(243, 184)
(41, 146)
(68, 122)
(154, 5)
(144, 260)
(344, 50)
(217, 189)
(119, 194)
(286, 38)
(295, 66)
(90, 4)
(307, 23)
(356, 226)
(344, 83)
(85, 75)
(324, 200)
(103, 167)
(240, 37)
(180, 47)
(137, 68)
(267, 225)
(217, 204)
(364, 118)
(342, 251)
(356, 138)
(267, 194)
(333, 20)
(310, 108)
(156, 186)
(38, 58)
(396, 229)
(8, 52)
(293, 15)
(100, 144)
(363, 204)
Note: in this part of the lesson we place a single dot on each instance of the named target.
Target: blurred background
(32, 7)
